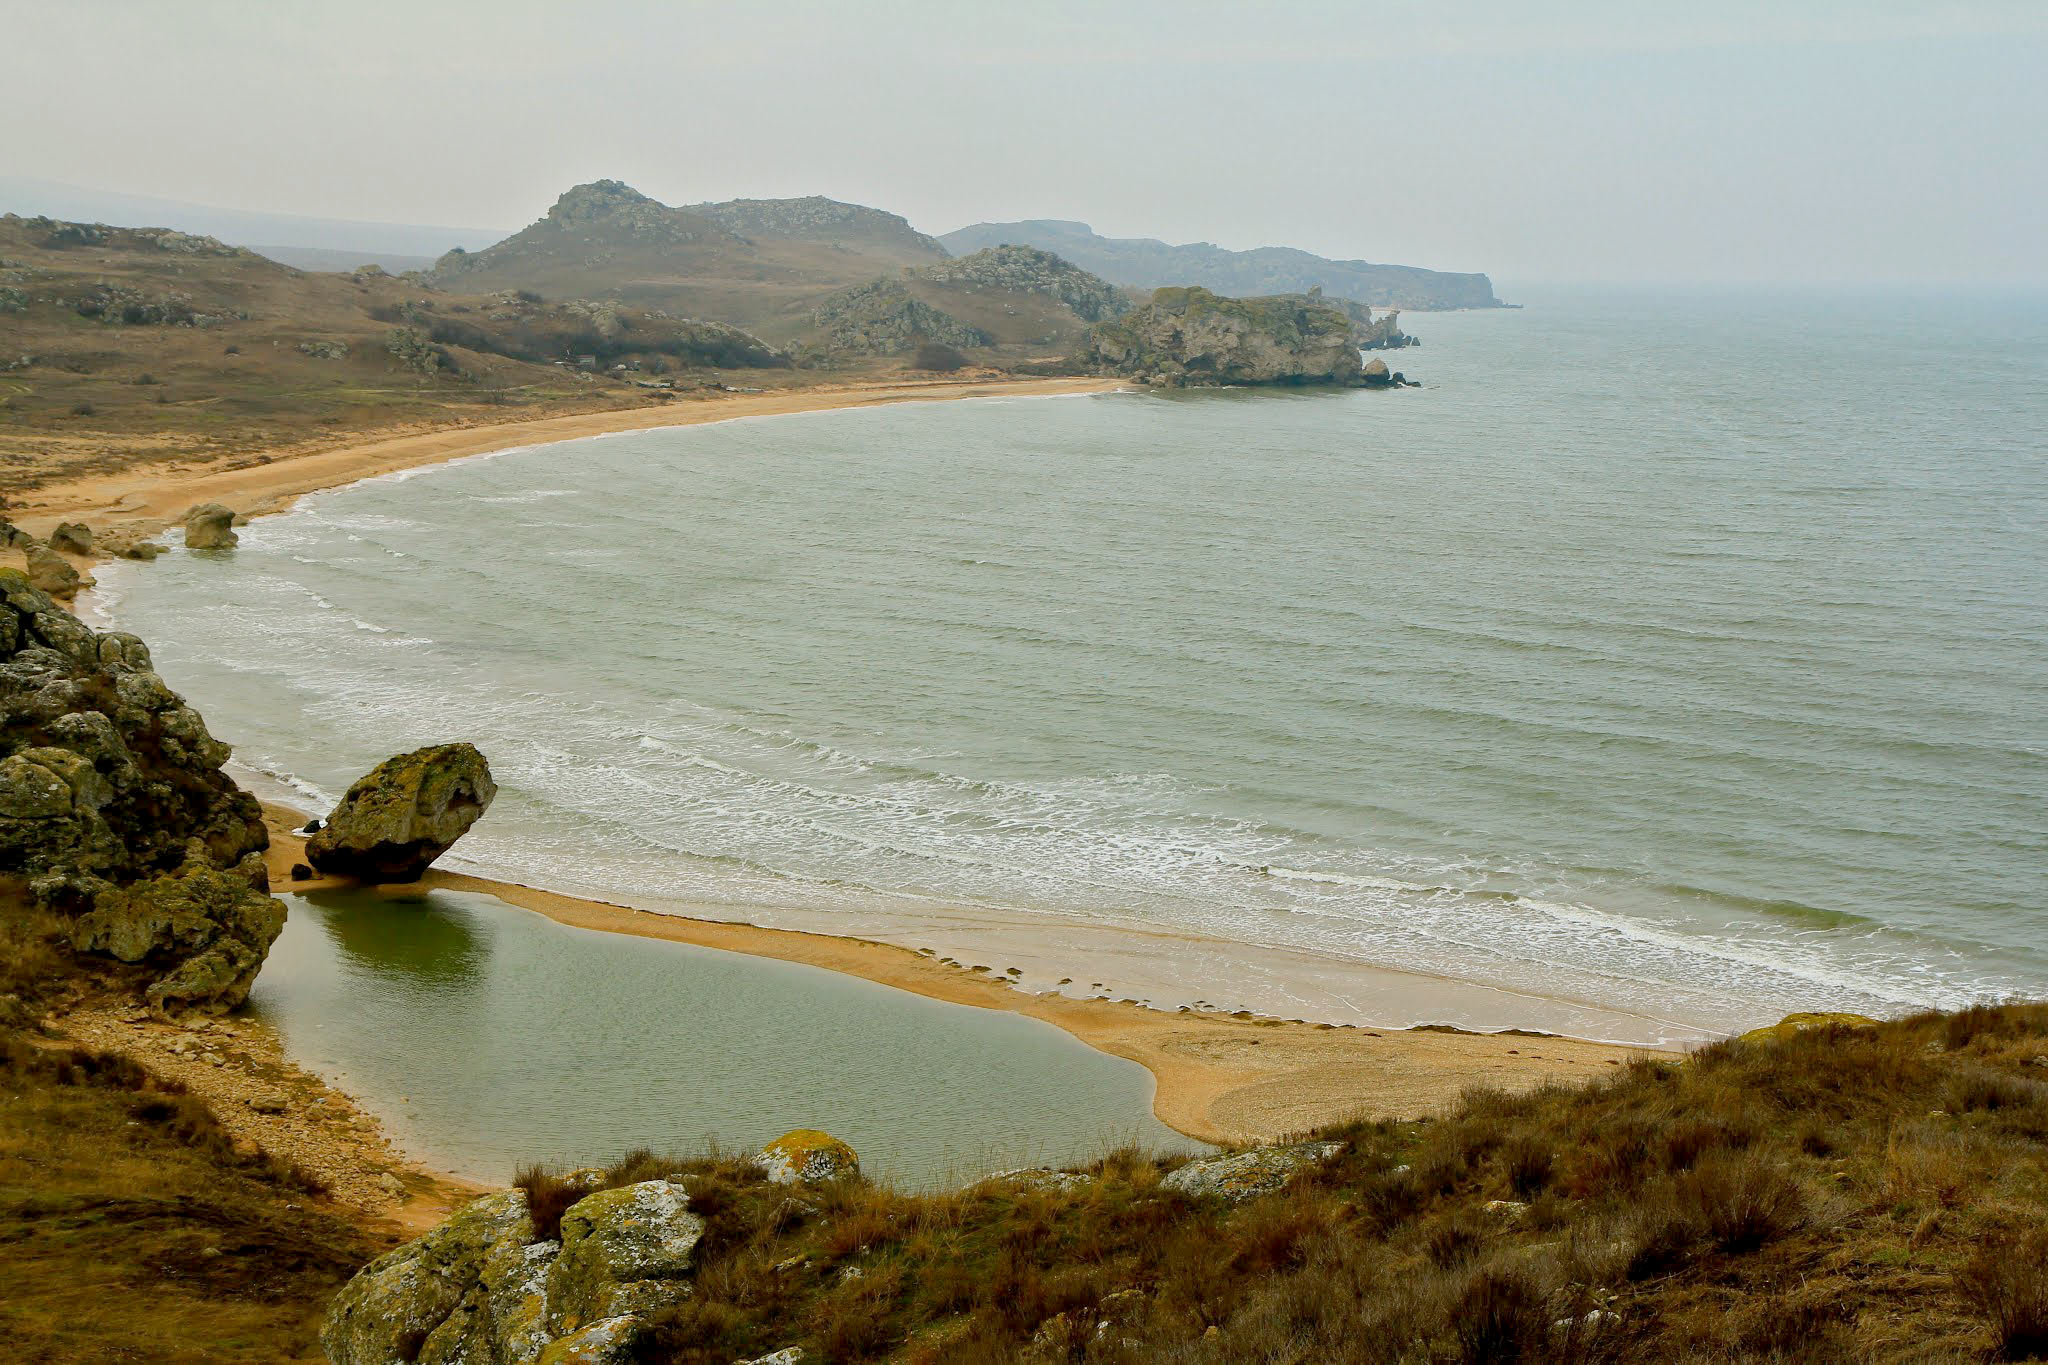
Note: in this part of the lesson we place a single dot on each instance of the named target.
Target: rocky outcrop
(50, 572)
(1792, 1025)
(115, 814)
(882, 318)
(484, 1287)
(1027, 270)
(210, 526)
(1246, 1175)
(1191, 336)
(72, 537)
(403, 814)
(807, 1157)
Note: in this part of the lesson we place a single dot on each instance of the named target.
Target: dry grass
(132, 1227)
(1819, 1198)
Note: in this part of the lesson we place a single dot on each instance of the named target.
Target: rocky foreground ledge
(115, 816)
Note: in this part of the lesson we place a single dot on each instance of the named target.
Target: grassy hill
(120, 345)
(1147, 263)
(759, 264)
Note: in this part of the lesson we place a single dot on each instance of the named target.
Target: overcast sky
(1537, 140)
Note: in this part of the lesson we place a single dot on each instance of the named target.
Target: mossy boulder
(807, 1157)
(1794, 1024)
(404, 813)
(482, 1287)
(50, 572)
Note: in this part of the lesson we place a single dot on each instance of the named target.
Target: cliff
(115, 817)
(1147, 263)
(1191, 336)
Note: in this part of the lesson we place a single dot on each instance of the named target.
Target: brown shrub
(1502, 1317)
(1741, 1203)
(2007, 1283)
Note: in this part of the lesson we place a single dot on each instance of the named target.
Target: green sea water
(1678, 652)
(487, 1037)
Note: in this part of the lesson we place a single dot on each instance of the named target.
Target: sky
(1543, 140)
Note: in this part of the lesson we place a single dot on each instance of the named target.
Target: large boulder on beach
(210, 526)
(115, 813)
(404, 813)
(807, 1157)
(72, 537)
(484, 1286)
(1246, 1175)
(50, 572)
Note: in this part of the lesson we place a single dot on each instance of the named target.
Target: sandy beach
(154, 497)
(1222, 1077)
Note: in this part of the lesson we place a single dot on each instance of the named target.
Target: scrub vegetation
(1846, 1193)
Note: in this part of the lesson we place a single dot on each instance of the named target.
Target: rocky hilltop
(115, 815)
(763, 265)
(1147, 263)
(882, 317)
(814, 218)
(1191, 336)
(1028, 270)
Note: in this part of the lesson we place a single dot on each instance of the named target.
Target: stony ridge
(1026, 269)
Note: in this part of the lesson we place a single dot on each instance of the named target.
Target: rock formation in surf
(1191, 336)
(115, 815)
(404, 813)
(210, 526)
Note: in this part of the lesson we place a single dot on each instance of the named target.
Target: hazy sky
(1536, 140)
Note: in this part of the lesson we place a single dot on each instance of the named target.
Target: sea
(1681, 653)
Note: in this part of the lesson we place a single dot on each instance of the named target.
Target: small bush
(2007, 1282)
(933, 356)
(1741, 1203)
(1501, 1318)
(1528, 1162)
(548, 1197)
(83, 410)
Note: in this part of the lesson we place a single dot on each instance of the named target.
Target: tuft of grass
(2007, 1282)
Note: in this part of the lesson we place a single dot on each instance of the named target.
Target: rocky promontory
(115, 815)
(1191, 336)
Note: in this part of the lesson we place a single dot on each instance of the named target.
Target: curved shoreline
(1220, 1077)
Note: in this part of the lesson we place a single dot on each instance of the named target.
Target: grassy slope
(132, 1228)
(103, 396)
(1844, 1194)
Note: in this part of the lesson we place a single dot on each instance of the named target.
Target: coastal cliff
(1191, 336)
(115, 816)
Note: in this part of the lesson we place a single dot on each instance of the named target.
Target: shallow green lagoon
(488, 1036)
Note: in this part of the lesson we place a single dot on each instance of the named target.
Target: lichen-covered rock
(1244, 1175)
(210, 526)
(788, 1355)
(1191, 336)
(420, 1302)
(481, 1288)
(1794, 1024)
(115, 811)
(404, 813)
(1041, 1180)
(623, 1251)
(50, 572)
(213, 925)
(807, 1157)
(611, 1341)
